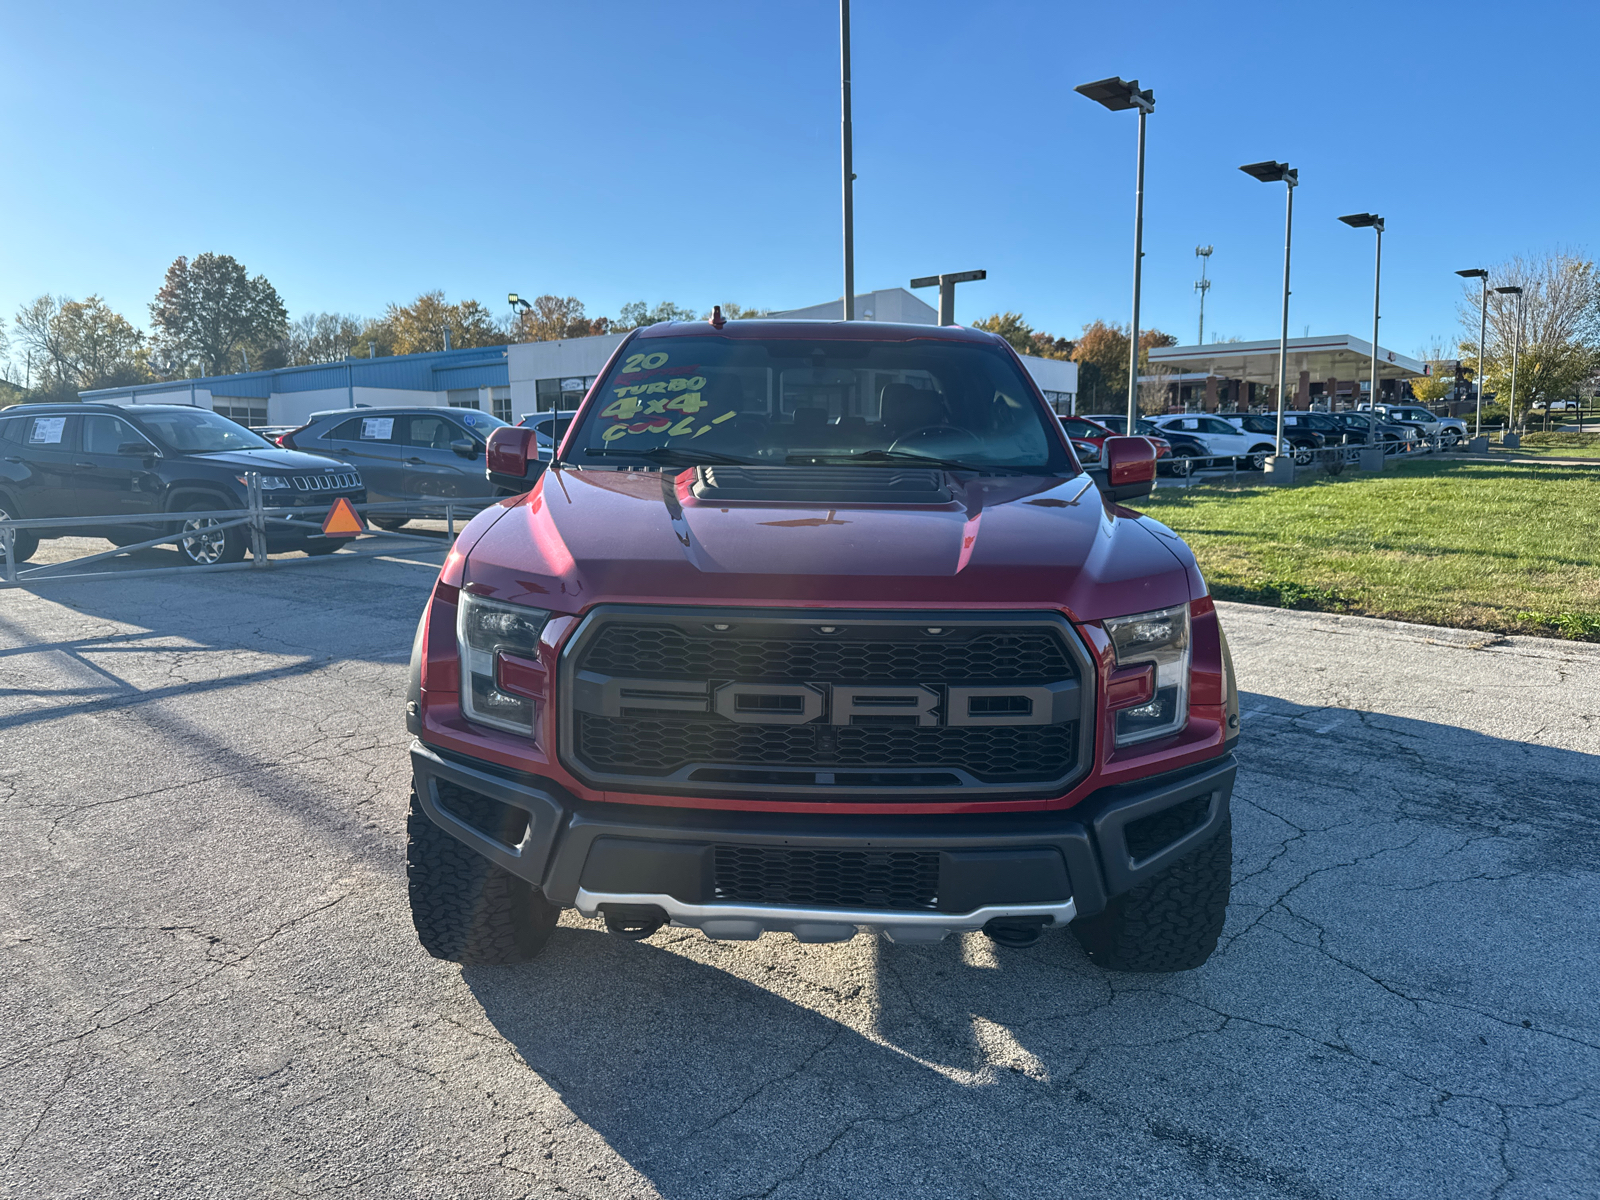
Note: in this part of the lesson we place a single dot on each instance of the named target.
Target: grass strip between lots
(1507, 548)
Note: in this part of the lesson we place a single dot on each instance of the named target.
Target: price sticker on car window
(377, 429)
(46, 431)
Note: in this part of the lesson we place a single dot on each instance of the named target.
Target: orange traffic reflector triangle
(343, 520)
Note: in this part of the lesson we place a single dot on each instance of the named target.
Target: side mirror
(512, 458)
(466, 448)
(1130, 467)
(139, 449)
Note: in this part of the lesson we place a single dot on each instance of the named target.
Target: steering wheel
(976, 442)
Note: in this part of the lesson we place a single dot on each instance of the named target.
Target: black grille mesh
(665, 652)
(875, 879)
(661, 745)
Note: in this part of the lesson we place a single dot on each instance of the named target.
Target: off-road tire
(389, 523)
(24, 542)
(1170, 923)
(466, 909)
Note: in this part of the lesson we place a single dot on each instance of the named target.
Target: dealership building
(508, 381)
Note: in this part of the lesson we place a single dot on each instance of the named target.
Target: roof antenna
(717, 319)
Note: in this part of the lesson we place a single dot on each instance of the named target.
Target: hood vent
(821, 485)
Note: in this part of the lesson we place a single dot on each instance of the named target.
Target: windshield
(802, 401)
(198, 431)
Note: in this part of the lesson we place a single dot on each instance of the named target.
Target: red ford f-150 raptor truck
(812, 626)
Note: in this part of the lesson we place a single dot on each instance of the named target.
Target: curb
(1436, 635)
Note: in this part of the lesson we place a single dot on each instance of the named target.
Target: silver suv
(404, 453)
(1449, 430)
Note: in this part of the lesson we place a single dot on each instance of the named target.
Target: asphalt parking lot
(211, 986)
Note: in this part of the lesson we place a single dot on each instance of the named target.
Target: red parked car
(1090, 430)
(811, 626)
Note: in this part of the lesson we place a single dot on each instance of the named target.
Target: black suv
(91, 460)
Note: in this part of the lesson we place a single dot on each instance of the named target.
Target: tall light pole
(1516, 353)
(1277, 172)
(848, 153)
(1483, 328)
(1117, 94)
(947, 290)
(1372, 221)
(1203, 253)
(516, 302)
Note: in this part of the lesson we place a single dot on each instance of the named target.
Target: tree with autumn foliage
(210, 310)
(420, 327)
(79, 345)
(1102, 357)
(1024, 338)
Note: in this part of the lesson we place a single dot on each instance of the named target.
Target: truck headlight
(1160, 639)
(485, 628)
(269, 483)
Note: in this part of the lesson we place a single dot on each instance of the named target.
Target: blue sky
(359, 154)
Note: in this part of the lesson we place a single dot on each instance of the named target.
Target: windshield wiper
(675, 456)
(904, 456)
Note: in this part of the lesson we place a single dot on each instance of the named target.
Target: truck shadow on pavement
(1387, 872)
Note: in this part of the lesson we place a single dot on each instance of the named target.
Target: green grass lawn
(1503, 547)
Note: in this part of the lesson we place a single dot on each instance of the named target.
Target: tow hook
(1015, 932)
(633, 921)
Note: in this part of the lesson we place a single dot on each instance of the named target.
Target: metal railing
(1331, 460)
(257, 516)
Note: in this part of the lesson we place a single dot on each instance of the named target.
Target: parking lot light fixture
(1277, 172)
(1516, 353)
(1483, 325)
(1375, 222)
(1117, 95)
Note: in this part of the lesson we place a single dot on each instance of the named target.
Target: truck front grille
(663, 651)
(784, 703)
(889, 879)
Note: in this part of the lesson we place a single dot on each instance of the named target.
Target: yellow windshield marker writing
(643, 362)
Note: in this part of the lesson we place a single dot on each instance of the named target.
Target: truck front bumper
(1044, 868)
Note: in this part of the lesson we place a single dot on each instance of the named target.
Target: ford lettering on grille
(796, 704)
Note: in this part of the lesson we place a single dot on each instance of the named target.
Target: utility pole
(849, 168)
(1203, 253)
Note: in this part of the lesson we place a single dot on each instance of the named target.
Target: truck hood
(582, 538)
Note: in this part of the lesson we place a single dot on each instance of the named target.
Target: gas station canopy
(1321, 358)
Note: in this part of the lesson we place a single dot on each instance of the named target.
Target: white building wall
(887, 304)
(527, 362)
(200, 397)
(1053, 375)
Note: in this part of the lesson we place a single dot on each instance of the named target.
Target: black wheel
(318, 549)
(1182, 463)
(1256, 460)
(24, 542)
(389, 523)
(1170, 923)
(201, 544)
(466, 909)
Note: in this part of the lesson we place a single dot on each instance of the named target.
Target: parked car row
(89, 460)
